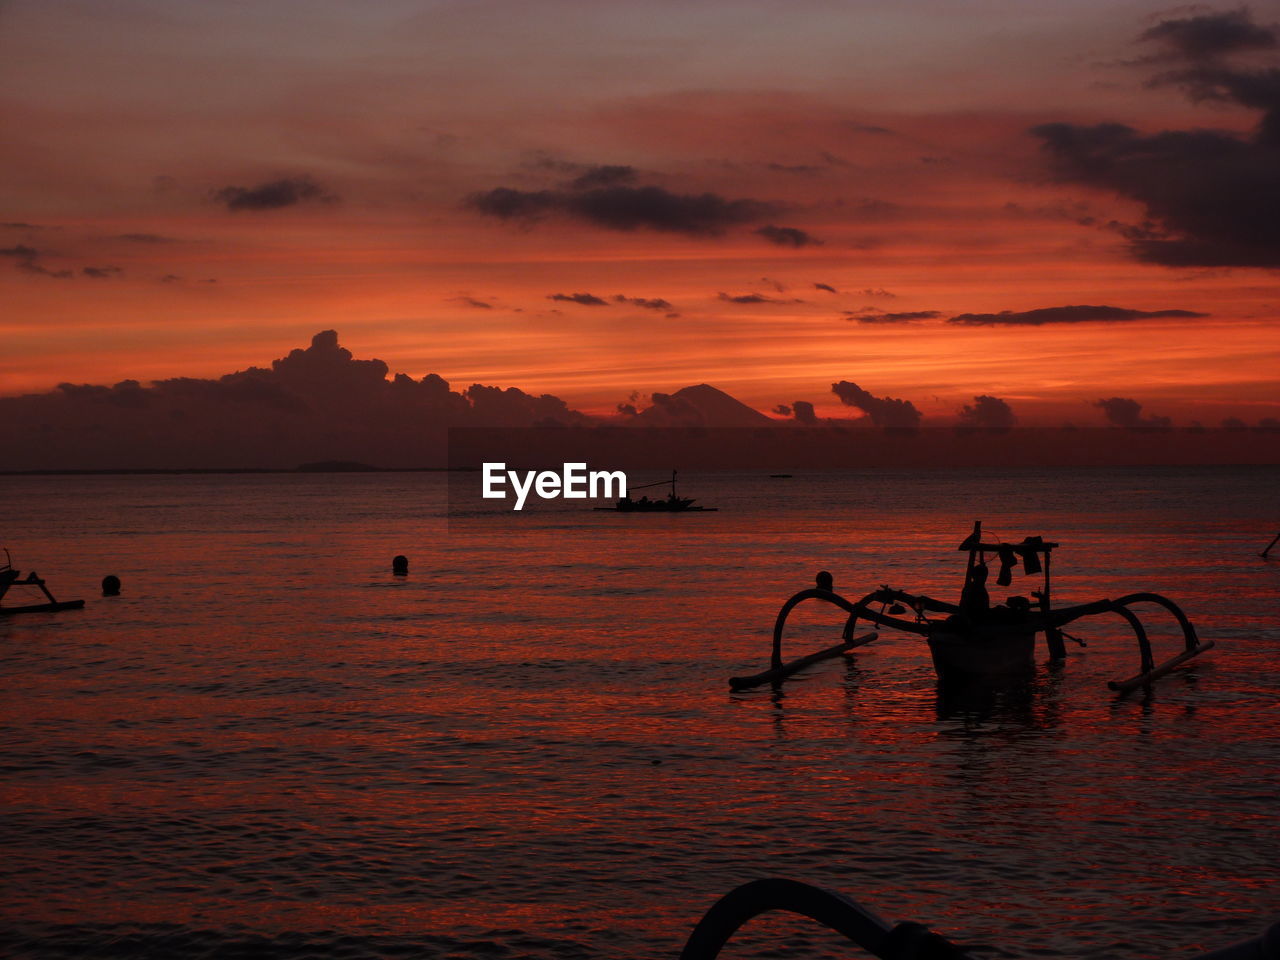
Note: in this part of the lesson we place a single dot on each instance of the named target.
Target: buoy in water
(111, 585)
(400, 565)
(825, 580)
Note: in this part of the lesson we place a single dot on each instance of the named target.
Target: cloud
(624, 208)
(649, 303)
(1127, 413)
(800, 169)
(753, 298)
(145, 238)
(787, 236)
(494, 406)
(988, 413)
(1070, 314)
(878, 292)
(883, 411)
(472, 302)
(27, 260)
(585, 299)
(905, 316)
(825, 286)
(273, 194)
(603, 176)
(101, 273)
(30, 266)
(804, 412)
(801, 411)
(1212, 198)
(316, 403)
(1211, 35)
(178, 278)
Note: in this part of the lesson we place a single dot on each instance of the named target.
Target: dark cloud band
(624, 208)
(1070, 314)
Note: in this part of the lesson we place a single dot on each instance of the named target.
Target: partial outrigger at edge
(9, 578)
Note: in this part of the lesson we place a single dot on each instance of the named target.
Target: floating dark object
(669, 504)
(780, 476)
(876, 936)
(972, 639)
(400, 565)
(111, 585)
(9, 577)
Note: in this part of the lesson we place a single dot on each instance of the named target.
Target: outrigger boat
(669, 504)
(972, 639)
(9, 577)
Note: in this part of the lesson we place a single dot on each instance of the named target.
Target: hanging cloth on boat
(1007, 560)
(1030, 550)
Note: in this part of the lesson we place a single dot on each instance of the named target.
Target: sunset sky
(603, 200)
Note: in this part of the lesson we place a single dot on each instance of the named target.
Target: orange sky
(897, 142)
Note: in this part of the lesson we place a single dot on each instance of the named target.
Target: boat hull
(983, 653)
(660, 508)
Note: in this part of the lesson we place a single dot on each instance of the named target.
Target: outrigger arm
(778, 670)
(848, 917)
(903, 941)
(1148, 670)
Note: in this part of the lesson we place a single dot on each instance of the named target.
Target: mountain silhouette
(701, 405)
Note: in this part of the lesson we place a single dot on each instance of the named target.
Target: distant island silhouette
(320, 410)
(336, 466)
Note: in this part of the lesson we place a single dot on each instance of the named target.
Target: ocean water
(269, 746)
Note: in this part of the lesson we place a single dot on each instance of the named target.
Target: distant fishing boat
(9, 577)
(668, 504)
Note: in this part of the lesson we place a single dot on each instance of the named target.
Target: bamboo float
(53, 607)
(1264, 553)
(787, 669)
(1155, 673)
